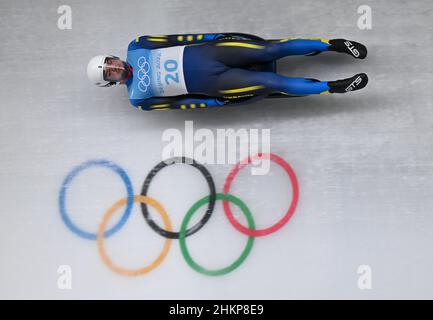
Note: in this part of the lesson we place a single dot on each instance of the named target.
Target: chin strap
(129, 74)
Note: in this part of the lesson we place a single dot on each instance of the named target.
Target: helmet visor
(115, 70)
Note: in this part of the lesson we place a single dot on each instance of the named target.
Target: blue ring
(62, 195)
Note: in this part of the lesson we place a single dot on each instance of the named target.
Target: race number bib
(157, 72)
(169, 71)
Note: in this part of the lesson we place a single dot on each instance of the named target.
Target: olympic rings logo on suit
(167, 231)
(142, 74)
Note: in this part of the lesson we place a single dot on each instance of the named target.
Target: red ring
(289, 213)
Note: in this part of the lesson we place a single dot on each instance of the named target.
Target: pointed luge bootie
(354, 83)
(353, 48)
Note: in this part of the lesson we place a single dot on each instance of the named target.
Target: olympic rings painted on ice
(290, 211)
(168, 232)
(211, 204)
(103, 226)
(188, 216)
(65, 186)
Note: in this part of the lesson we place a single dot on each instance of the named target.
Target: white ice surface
(364, 160)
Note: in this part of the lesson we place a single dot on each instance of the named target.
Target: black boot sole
(354, 83)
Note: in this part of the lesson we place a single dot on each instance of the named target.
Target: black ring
(212, 197)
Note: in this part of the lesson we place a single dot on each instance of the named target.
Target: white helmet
(95, 70)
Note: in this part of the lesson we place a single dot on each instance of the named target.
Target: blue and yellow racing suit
(207, 70)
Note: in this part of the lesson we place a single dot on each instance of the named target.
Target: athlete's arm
(161, 41)
(191, 102)
(179, 102)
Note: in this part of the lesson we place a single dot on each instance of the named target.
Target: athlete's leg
(240, 53)
(241, 82)
(214, 70)
(305, 46)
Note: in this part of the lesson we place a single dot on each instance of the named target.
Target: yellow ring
(100, 237)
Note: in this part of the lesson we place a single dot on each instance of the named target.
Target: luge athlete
(187, 71)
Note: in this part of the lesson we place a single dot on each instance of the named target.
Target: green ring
(184, 226)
